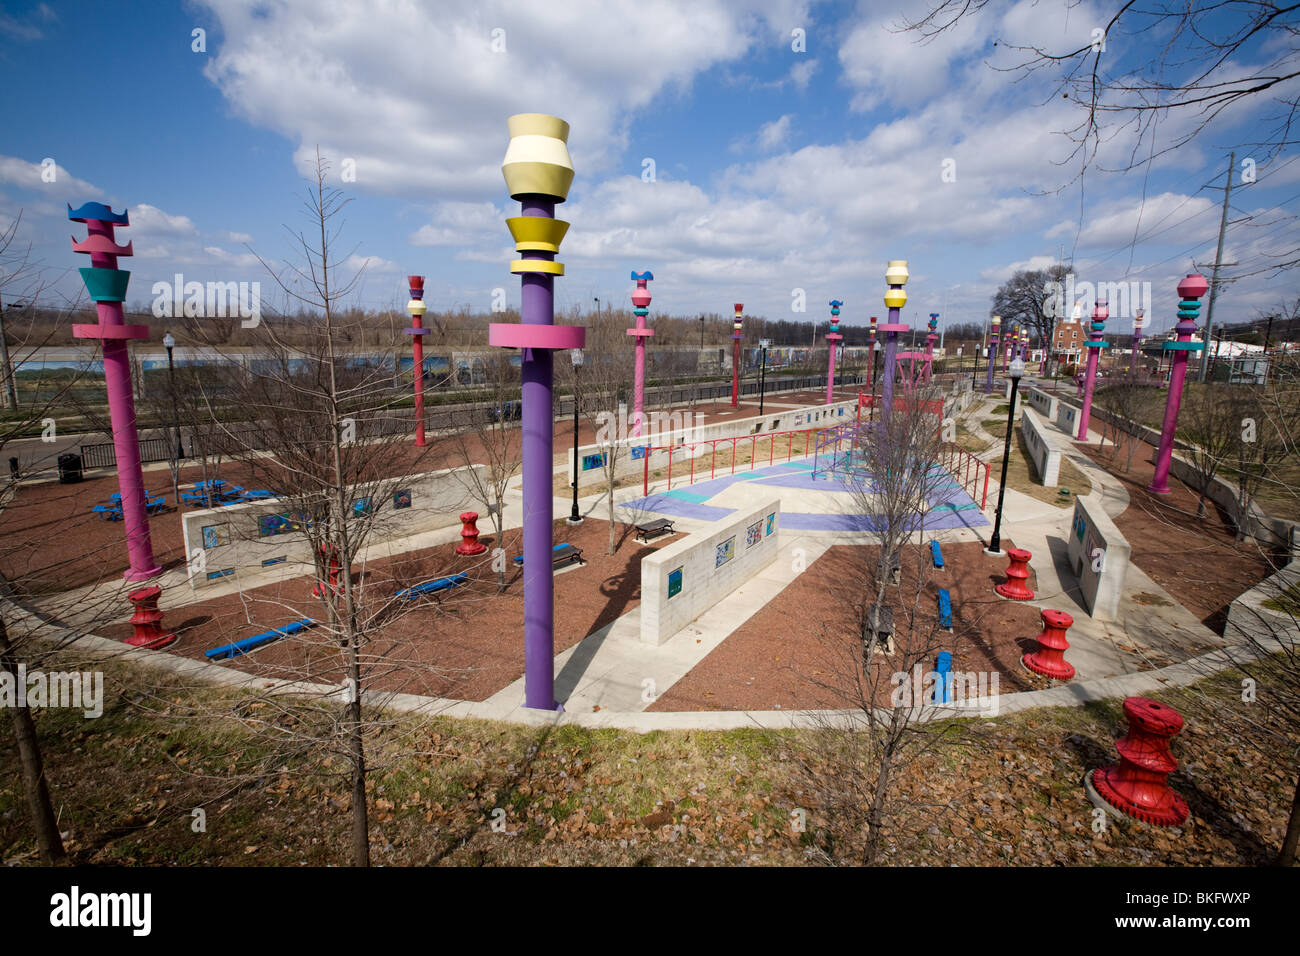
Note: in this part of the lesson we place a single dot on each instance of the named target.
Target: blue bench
(155, 505)
(945, 610)
(236, 648)
(108, 512)
(433, 587)
(560, 554)
(943, 677)
(936, 554)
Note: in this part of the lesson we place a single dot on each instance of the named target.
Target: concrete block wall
(1042, 402)
(1099, 556)
(233, 541)
(1042, 449)
(681, 581)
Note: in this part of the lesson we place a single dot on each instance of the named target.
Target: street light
(1016, 370)
(576, 356)
(169, 343)
(765, 344)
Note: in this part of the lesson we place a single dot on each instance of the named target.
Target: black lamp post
(169, 343)
(1014, 371)
(765, 344)
(575, 517)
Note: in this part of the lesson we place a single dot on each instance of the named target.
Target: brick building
(1068, 338)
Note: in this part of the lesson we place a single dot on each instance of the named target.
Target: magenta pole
(538, 175)
(417, 331)
(1190, 291)
(640, 299)
(1099, 314)
(107, 284)
(832, 339)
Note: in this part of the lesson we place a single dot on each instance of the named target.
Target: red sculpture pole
(469, 542)
(871, 358)
(1138, 786)
(1016, 586)
(1049, 660)
(146, 622)
(417, 332)
(735, 355)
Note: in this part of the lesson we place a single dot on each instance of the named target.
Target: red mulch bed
(789, 656)
(1197, 560)
(469, 644)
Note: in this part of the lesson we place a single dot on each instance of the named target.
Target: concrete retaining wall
(240, 539)
(681, 581)
(1042, 449)
(1099, 556)
(1042, 402)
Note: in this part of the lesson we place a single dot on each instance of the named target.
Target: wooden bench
(561, 554)
(880, 625)
(653, 529)
(434, 586)
(945, 609)
(936, 555)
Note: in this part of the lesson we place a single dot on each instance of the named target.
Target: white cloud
(31, 176)
(147, 220)
(240, 259)
(240, 237)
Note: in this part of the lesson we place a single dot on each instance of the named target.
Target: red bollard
(334, 568)
(470, 544)
(1138, 786)
(1049, 660)
(1016, 586)
(146, 622)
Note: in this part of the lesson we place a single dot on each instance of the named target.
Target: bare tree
(1123, 400)
(1032, 298)
(1211, 425)
(1197, 59)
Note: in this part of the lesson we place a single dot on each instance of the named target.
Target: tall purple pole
(640, 299)
(1095, 345)
(1190, 291)
(106, 284)
(538, 174)
(994, 329)
(896, 277)
(832, 340)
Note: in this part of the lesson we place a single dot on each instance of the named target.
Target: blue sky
(775, 169)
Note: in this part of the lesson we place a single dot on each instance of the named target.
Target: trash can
(69, 468)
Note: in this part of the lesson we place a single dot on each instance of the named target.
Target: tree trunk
(46, 827)
(1287, 856)
(357, 753)
(611, 504)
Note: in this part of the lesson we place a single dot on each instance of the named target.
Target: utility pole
(1214, 274)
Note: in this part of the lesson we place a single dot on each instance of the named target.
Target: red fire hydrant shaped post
(1016, 586)
(1138, 786)
(1049, 660)
(146, 621)
(335, 567)
(469, 543)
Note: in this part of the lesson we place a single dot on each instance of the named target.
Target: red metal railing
(712, 452)
(966, 468)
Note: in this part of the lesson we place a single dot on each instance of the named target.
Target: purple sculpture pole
(107, 284)
(993, 353)
(1099, 314)
(1190, 291)
(538, 174)
(896, 277)
(832, 339)
(640, 299)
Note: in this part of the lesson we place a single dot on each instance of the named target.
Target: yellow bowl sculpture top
(537, 160)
